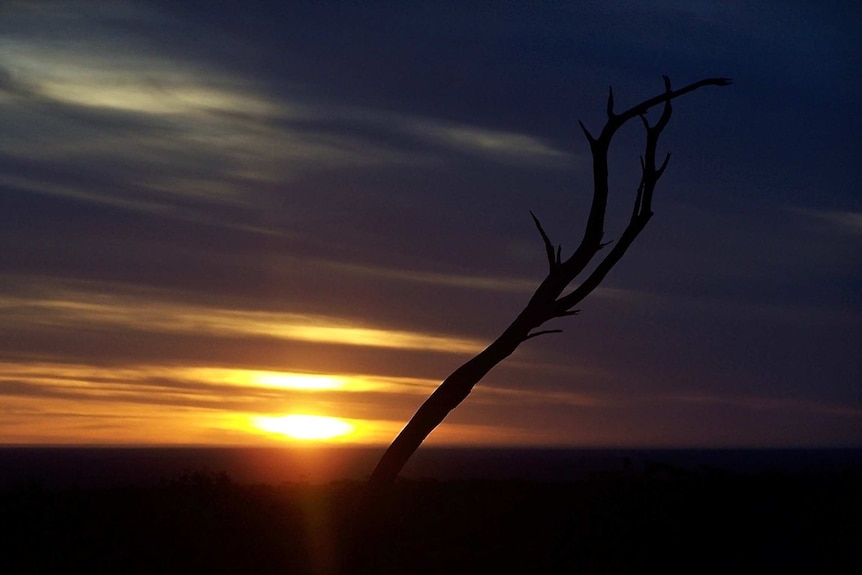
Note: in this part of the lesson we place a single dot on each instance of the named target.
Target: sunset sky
(216, 217)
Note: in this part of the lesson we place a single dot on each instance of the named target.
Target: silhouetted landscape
(640, 515)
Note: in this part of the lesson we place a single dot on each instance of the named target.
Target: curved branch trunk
(445, 398)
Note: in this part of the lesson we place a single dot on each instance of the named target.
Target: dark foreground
(663, 521)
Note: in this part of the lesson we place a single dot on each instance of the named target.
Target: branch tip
(549, 247)
(589, 136)
(543, 332)
(661, 168)
(567, 312)
(610, 102)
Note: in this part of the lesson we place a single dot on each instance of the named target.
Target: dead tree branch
(548, 302)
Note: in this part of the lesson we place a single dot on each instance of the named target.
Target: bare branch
(642, 210)
(547, 302)
(661, 168)
(595, 278)
(549, 247)
(638, 196)
(645, 122)
(589, 136)
(665, 115)
(543, 332)
(611, 102)
(644, 106)
(566, 313)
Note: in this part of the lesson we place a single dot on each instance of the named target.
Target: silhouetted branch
(549, 247)
(644, 106)
(543, 332)
(547, 302)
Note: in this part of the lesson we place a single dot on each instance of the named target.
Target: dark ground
(662, 520)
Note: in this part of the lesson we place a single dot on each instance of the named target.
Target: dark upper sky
(199, 204)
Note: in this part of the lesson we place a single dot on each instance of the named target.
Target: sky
(215, 216)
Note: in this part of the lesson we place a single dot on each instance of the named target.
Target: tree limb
(547, 302)
(549, 247)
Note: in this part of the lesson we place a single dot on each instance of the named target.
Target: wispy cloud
(497, 145)
(164, 128)
(203, 386)
(64, 421)
(841, 221)
(500, 284)
(78, 310)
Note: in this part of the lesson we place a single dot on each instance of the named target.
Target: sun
(305, 427)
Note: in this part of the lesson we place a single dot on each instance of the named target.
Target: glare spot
(305, 427)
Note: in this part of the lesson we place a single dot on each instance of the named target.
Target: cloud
(486, 283)
(79, 310)
(203, 386)
(496, 145)
(60, 421)
(161, 127)
(841, 221)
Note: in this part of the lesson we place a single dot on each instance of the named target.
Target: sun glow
(305, 427)
(300, 380)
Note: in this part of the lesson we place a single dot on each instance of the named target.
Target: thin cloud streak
(195, 386)
(840, 221)
(78, 311)
(494, 144)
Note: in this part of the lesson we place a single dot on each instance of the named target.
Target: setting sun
(305, 427)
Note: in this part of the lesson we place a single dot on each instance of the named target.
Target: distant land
(148, 466)
(190, 511)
